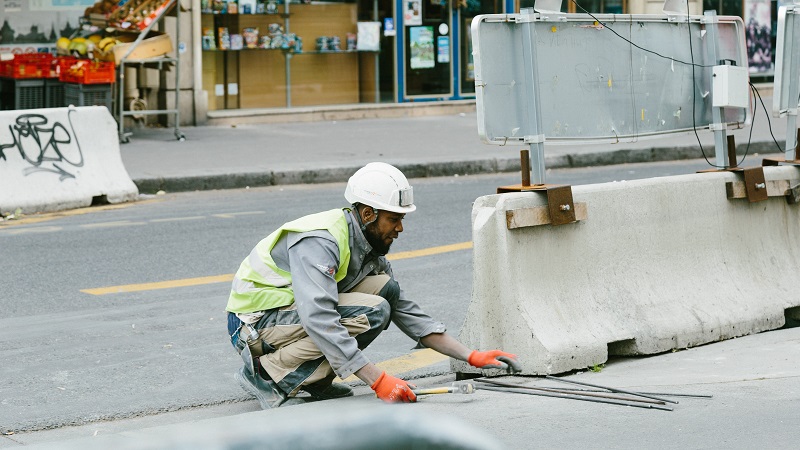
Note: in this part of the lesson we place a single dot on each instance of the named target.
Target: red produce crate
(63, 63)
(27, 65)
(83, 71)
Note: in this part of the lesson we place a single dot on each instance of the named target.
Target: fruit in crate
(106, 44)
(78, 45)
(62, 45)
(78, 69)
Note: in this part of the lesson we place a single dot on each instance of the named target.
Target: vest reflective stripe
(260, 284)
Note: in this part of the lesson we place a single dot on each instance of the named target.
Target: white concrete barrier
(658, 264)
(60, 158)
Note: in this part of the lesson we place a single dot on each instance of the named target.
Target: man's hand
(494, 359)
(393, 390)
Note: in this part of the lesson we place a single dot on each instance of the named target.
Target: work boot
(267, 392)
(325, 390)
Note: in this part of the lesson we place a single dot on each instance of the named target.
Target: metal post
(288, 56)
(178, 134)
(732, 152)
(717, 114)
(525, 167)
(536, 139)
(377, 56)
(792, 134)
(789, 42)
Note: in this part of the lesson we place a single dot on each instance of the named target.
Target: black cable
(634, 44)
(752, 125)
(768, 119)
(694, 93)
(694, 90)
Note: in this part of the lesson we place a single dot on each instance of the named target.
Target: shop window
(427, 49)
(468, 9)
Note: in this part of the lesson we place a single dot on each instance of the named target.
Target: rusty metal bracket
(560, 205)
(774, 188)
(778, 160)
(754, 184)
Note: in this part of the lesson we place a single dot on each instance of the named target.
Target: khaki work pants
(296, 361)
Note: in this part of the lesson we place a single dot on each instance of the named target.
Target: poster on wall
(28, 26)
(412, 12)
(421, 47)
(758, 30)
(369, 36)
(443, 49)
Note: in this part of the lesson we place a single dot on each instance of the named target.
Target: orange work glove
(494, 359)
(393, 390)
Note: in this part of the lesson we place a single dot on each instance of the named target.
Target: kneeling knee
(383, 311)
(390, 292)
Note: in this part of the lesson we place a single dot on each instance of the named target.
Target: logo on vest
(325, 269)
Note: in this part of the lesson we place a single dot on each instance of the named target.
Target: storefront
(248, 55)
(416, 50)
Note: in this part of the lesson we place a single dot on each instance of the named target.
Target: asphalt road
(69, 357)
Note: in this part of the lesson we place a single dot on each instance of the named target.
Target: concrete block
(657, 264)
(60, 158)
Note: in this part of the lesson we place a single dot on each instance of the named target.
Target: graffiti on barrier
(46, 147)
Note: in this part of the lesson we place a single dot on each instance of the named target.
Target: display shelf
(160, 62)
(216, 50)
(280, 15)
(255, 78)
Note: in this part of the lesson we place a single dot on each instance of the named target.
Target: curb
(434, 169)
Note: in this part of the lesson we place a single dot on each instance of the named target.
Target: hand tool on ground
(488, 387)
(621, 391)
(456, 388)
(665, 394)
(598, 394)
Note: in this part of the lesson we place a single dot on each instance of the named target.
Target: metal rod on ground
(667, 394)
(572, 392)
(621, 391)
(487, 387)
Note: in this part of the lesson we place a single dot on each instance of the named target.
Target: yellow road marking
(232, 215)
(13, 231)
(44, 217)
(227, 278)
(406, 363)
(121, 223)
(429, 251)
(160, 285)
(177, 219)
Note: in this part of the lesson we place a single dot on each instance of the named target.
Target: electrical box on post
(729, 87)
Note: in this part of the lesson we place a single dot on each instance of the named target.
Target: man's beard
(376, 242)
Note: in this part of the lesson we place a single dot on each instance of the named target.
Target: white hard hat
(381, 186)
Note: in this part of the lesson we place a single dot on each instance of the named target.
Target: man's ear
(367, 214)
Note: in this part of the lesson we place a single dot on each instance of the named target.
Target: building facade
(248, 56)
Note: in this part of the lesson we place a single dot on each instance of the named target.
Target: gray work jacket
(308, 257)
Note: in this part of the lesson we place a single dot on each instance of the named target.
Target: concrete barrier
(657, 264)
(60, 158)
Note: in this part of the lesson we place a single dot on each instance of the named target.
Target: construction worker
(317, 291)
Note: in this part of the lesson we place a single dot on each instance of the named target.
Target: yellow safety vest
(260, 284)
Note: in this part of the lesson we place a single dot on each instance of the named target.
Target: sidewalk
(754, 381)
(421, 146)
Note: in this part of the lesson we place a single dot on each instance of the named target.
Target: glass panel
(428, 49)
(467, 12)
